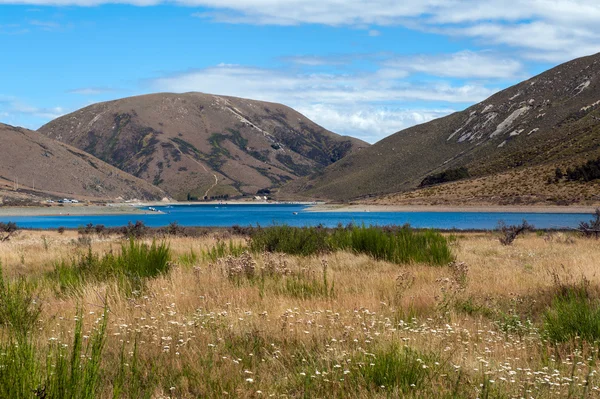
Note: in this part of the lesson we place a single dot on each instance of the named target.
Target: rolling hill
(551, 120)
(198, 145)
(39, 166)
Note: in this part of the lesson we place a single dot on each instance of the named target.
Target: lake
(298, 215)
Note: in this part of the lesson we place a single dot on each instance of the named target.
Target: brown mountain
(550, 120)
(38, 165)
(201, 145)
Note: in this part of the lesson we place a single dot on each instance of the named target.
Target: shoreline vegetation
(134, 208)
(352, 312)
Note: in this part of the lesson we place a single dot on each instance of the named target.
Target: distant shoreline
(119, 208)
(134, 208)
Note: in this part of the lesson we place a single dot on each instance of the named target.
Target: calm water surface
(298, 215)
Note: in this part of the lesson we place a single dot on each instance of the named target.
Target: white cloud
(370, 124)
(362, 104)
(464, 64)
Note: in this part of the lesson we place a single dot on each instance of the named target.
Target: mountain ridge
(203, 145)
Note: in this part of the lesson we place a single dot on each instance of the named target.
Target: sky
(361, 68)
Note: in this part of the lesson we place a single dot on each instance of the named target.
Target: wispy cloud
(11, 106)
(463, 64)
(91, 91)
(45, 25)
(545, 29)
(12, 29)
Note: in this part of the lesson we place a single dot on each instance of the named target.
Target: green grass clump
(394, 369)
(59, 372)
(135, 263)
(573, 314)
(402, 245)
(19, 315)
(302, 241)
(19, 308)
(221, 250)
(305, 285)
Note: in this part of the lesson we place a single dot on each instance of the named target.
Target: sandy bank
(114, 209)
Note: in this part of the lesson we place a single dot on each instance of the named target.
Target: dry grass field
(335, 325)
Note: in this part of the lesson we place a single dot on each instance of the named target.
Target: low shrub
(7, 230)
(591, 228)
(510, 233)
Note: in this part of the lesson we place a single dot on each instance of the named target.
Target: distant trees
(589, 171)
(446, 176)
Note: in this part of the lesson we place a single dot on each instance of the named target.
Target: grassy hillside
(550, 119)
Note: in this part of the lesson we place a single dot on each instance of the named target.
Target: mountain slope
(550, 119)
(38, 165)
(200, 145)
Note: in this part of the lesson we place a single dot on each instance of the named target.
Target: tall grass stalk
(77, 374)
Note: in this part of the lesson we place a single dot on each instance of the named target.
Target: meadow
(346, 313)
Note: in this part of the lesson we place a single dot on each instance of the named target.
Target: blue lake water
(265, 215)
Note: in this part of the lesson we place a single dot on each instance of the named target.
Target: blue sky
(361, 68)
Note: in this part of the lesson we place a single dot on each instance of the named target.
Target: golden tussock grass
(474, 328)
